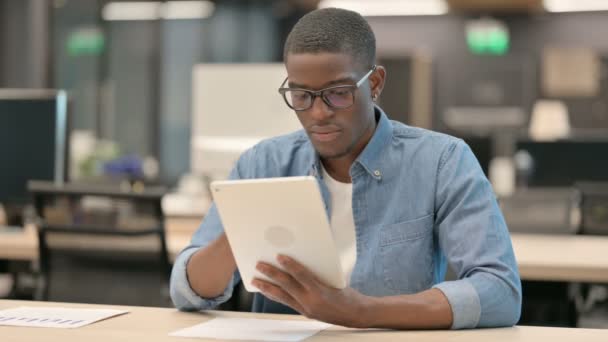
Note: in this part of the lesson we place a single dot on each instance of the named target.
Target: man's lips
(325, 136)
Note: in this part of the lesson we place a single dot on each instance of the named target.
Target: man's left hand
(298, 288)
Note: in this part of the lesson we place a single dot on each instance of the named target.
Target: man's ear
(377, 80)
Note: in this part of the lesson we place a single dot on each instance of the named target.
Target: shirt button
(377, 173)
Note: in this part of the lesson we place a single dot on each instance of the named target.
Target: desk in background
(154, 324)
(20, 248)
(19, 245)
(571, 258)
(559, 259)
(23, 245)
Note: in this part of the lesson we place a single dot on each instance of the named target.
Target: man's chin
(331, 153)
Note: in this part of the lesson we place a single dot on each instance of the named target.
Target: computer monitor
(33, 143)
(487, 95)
(234, 107)
(562, 163)
(483, 149)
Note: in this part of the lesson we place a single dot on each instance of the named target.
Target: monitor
(483, 149)
(487, 95)
(33, 143)
(565, 162)
(234, 107)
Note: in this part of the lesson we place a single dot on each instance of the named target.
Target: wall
(24, 26)
(443, 37)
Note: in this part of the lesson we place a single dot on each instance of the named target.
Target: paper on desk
(54, 317)
(253, 329)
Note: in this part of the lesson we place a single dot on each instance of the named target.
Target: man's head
(336, 31)
(326, 48)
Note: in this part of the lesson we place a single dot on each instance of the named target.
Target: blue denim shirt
(420, 201)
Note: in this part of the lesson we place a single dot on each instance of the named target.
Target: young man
(403, 203)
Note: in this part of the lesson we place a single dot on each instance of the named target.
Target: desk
(154, 324)
(19, 245)
(23, 245)
(570, 258)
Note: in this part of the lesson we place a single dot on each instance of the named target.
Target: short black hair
(333, 30)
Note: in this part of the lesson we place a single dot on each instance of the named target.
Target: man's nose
(319, 110)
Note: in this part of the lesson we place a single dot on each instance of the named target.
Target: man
(401, 201)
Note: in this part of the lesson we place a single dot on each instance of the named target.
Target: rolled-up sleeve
(183, 296)
(474, 237)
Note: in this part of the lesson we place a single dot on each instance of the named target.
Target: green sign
(85, 42)
(487, 38)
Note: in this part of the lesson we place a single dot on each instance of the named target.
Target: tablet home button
(278, 236)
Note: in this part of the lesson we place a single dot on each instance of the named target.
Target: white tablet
(270, 216)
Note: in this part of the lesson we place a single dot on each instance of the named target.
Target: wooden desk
(15, 245)
(24, 245)
(562, 257)
(154, 324)
(540, 257)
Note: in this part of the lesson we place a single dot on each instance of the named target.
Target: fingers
(299, 272)
(283, 279)
(277, 294)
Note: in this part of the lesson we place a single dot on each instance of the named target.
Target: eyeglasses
(338, 97)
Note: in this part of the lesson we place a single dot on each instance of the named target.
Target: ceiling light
(154, 10)
(188, 9)
(389, 7)
(576, 5)
(131, 11)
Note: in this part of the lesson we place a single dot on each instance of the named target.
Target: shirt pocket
(406, 255)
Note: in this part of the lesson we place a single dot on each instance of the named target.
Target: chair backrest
(103, 268)
(594, 207)
(550, 210)
(103, 258)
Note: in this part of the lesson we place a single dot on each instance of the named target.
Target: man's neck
(338, 168)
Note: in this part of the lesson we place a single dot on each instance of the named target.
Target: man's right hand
(211, 268)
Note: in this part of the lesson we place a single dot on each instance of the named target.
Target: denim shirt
(420, 201)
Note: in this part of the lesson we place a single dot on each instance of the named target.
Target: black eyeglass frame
(321, 93)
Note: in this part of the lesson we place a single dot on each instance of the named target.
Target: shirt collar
(370, 157)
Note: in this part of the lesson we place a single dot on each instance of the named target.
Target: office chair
(101, 261)
(98, 266)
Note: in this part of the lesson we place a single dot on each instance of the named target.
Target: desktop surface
(154, 324)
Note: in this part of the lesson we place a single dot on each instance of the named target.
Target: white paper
(253, 329)
(54, 317)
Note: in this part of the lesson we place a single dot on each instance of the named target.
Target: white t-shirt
(342, 222)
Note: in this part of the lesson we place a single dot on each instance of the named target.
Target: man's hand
(298, 288)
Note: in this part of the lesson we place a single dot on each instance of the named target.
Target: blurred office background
(147, 91)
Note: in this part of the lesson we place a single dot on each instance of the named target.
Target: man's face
(335, 133)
